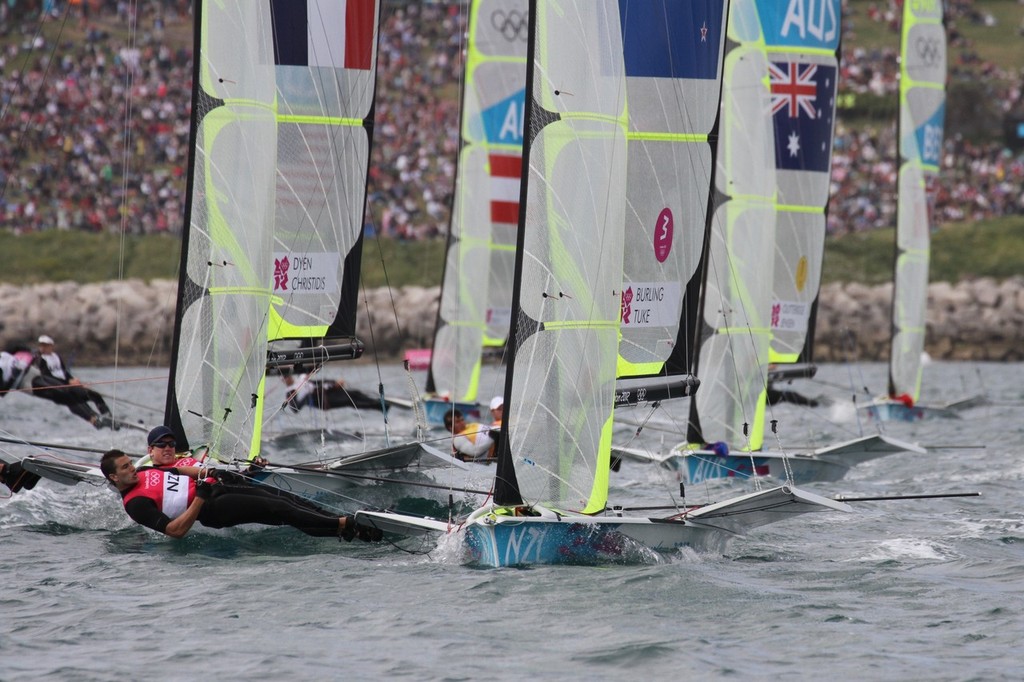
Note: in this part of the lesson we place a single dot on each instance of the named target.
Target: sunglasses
(164, 444)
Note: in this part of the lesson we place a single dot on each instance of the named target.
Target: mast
(919, 131)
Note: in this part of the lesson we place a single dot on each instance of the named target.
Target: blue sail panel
(671, 39)
(801, 23)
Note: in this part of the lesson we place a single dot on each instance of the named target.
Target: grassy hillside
(992, 248)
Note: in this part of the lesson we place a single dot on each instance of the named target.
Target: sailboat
(920, 130)
(599, 75)
(757, 313)
(476, 291)
(282, 111)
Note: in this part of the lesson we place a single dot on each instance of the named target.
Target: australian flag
(803, 105)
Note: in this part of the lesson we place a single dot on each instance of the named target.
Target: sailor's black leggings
(231, 505)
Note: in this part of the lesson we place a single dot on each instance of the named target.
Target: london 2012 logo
(281, 274)
(512, 25)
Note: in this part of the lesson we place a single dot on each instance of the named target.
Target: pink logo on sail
(625, 309)
(663, 235)
(281, 274)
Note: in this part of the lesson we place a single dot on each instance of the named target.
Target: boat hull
(824, 464)
(899, 412)
(496, 539)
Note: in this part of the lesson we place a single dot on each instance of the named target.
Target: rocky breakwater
(131, 322)
(978, 319)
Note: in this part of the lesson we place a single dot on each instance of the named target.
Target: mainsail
(803, 53)
(476, 291)
(560, 382)
(732, 358)
(282, 105)
(672, 59)
(922, 114)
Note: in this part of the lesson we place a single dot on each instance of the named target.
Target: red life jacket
(172, 493)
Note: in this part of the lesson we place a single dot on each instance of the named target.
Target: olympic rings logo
(511, 26)
(928, 50)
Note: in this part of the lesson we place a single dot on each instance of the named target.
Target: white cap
(45, 339)
(496, 402)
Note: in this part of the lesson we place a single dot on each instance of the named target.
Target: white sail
(559, 403)
(276, 195)
(922, 113)
(672, 61)
(476, 293)
(733, 357)
(803, 59)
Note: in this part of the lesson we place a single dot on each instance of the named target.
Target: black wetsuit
(15, 477)
(326, 395)
(236, 502)
(56, 389)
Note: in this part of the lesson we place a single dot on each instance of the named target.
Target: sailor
(776, 396)
(324, 394)
(171, 500)
(16, 477)
(12, 372)
(469, 441)
(497, 407)
(55, 382)
(163, 454)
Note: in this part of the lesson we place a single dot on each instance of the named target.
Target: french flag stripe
(330, 33)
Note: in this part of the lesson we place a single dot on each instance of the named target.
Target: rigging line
(129, 103)
(32, 389)
(375, 479)
(55, 446)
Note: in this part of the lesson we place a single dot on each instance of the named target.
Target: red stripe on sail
(504, 168)
(360, 16)
(505, 212)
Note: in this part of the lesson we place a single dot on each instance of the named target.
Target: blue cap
(158, 433)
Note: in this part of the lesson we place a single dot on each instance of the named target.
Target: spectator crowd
(95, 131)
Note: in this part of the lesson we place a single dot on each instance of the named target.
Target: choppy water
(928, 589)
